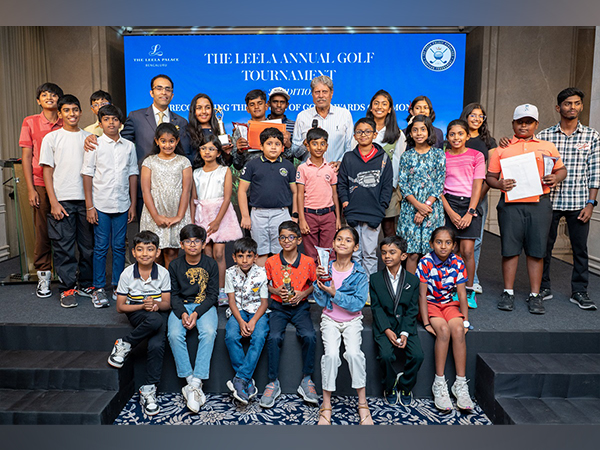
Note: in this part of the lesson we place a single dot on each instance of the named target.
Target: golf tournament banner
(227, 67)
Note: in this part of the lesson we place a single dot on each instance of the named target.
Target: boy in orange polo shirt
(524, 223)
(318, 204)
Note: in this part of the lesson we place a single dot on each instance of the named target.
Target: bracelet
(93, 207)
(428, 325)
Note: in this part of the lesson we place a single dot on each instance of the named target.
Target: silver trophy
(223, 137)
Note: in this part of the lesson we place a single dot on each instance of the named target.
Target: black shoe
(582, 300)
(406, 397)
(507, 302)
(536, 304)
(546, 294)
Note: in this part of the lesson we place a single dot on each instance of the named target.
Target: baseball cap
(279, 91)
(526, 110)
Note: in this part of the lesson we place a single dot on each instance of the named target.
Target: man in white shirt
(335, 120)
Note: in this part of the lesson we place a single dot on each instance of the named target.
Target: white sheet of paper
(524, 170)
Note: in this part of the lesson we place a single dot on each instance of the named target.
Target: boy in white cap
(524, 223)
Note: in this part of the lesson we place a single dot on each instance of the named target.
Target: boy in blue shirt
(109, 182)
(271, 181)
(246, 286)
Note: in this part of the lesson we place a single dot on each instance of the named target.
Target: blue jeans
(245, 364)
(110, 231)
(484, 206)
(207, 332)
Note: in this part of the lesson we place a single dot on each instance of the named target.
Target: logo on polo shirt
(283, 172)
(327, 177)
(243, 171)
(438, 55)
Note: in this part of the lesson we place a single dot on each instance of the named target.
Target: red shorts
(446, 311)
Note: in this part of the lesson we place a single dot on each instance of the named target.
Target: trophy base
(224, 139)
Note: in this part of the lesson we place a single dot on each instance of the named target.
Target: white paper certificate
(524, 170)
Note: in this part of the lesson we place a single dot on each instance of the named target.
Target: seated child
(290, 275)
(440, 273)
(143, 294)
(365, 186)
(110, 176)
(246, 286)
(318, 204)
(343, 299)
(395, 305)
(271, 181)
(194, 291)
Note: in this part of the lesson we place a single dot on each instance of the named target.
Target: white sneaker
(119, 353)
(441, 397)
(460, 390)
(148, 400)
(194, 397)
(43, 287)
(478, 288)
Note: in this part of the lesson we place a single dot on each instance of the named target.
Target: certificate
(524, 170)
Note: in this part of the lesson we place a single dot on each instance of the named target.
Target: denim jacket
(351, 295)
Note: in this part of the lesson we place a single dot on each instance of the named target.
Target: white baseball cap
(279, 91)
(526, 110)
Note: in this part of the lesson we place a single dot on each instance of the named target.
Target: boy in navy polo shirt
(271, 181)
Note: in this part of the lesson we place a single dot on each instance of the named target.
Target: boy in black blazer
(395, 305)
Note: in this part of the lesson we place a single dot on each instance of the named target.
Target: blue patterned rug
(221, 409)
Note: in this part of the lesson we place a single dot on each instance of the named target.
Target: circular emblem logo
(438, 55)
(283, 172)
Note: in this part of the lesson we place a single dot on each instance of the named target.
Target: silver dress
(166, 189)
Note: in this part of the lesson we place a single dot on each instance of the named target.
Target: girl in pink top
(342, 299)
(465, 172)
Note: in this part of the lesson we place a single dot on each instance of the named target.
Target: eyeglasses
(363, 132)
(192, 242)
(163, 88)
(100, 105)
(477, 116)
(290, 238)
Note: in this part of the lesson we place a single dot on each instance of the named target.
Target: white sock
(189, 379)
(196, 382)
(439, 379)
(510, 291)
(461, 379)
(534, 294)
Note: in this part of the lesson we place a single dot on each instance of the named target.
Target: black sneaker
(391, 398)
(406, 397)
(582, 300)
(507, 302)
(86, 291)
(536, 304)
(68, 299)
(546, 294)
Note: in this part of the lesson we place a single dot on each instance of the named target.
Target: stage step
(62, 387)
(54, 407)
(31, 369)
(539, 388)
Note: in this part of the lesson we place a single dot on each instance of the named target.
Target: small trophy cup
(287, 283)
(222, 134)
(323, 256)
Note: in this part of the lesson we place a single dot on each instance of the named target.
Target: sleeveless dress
(166, 189)
(210, 188)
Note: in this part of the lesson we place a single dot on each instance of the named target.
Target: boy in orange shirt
(524, 223)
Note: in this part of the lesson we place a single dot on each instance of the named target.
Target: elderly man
(333, 119)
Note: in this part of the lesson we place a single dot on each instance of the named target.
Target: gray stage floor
(19, 304)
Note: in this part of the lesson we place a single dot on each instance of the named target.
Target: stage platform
(31, 323)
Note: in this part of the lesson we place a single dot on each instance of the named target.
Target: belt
(320, 212)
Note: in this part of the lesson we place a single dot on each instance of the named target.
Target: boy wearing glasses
(290, 276)
(97, 100)
(194, 292)
(365, 186)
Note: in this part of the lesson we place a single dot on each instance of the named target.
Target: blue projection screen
(226, 67)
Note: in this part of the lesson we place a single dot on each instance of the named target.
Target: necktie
(161, 116)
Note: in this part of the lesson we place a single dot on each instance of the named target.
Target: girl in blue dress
(421, 181)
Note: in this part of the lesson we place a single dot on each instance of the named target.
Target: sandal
(362, 421)
(321, 414)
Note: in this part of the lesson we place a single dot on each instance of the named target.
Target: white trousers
(332, 333)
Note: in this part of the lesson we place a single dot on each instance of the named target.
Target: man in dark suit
(395, 305)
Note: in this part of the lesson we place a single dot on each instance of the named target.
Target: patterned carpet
(221, 409)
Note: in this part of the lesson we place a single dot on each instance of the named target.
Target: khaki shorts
(393, 209)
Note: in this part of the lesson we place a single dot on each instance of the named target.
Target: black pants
(72, 230)
(151, 325)
(386, 356)
(578, 235)
(279, 317)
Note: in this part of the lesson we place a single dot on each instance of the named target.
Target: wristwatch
(295, 215)
(428, 202)
(466, 323)
(593, 202)
(473, 212)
